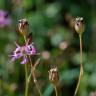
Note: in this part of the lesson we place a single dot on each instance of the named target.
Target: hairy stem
(81, 66)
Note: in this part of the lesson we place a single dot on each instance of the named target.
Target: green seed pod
(54, 76)
(79, 25)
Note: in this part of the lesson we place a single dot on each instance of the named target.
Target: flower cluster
(23, 52)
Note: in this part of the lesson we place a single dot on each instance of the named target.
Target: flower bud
(54, 76)
(79, 25)
(23, 26)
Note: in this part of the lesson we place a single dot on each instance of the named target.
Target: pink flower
(23, 52)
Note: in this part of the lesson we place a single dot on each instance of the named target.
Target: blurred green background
(51, 22)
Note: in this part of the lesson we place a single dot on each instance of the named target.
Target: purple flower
(5, 20)
(23, 52)
(25, 60)
(30, 49)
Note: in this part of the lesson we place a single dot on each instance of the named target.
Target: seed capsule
(54, 76)
(79, 25)
(23, 26)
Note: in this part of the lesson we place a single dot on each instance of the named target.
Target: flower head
(23, 51)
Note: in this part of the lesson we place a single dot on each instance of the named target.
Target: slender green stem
(26, 76)
(81, 55)
(29, 77)
(56, 90)
(24, 38)
(81, 66)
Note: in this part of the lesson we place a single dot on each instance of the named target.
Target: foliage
(51, 24)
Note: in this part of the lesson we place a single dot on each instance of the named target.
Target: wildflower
(23, 52)
(5, 20)
(79, 27)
